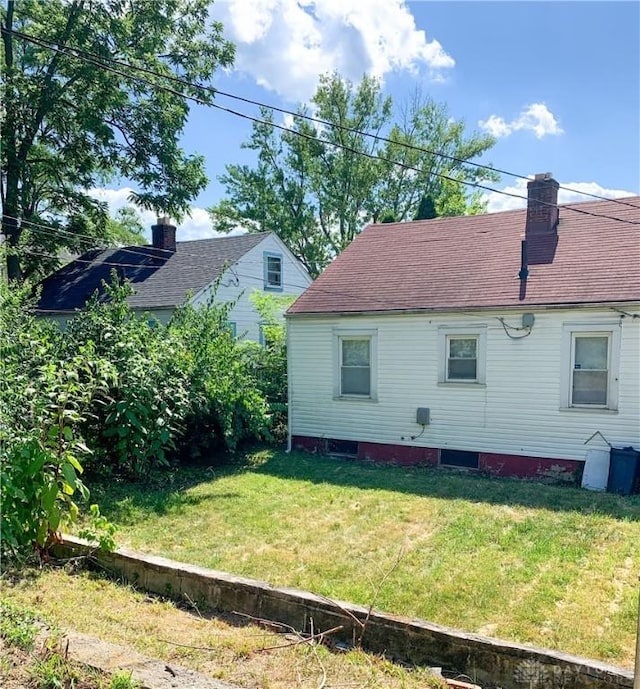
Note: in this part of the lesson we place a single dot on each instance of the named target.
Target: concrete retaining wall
(490, 662)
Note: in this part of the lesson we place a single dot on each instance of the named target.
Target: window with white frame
(272, 271)
(355, 354)
(590, 378)
(462, 354)
(590, 369)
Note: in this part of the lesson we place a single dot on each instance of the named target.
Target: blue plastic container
(623, 470)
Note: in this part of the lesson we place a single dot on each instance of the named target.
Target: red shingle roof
(473, 261)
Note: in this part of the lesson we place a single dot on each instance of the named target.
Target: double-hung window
(272, 271)
(355, 355)
(462, 354)
(590, 370)
(462, 358)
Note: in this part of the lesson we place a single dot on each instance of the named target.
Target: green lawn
(553, 566)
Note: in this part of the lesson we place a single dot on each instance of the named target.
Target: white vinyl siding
(518, 409)
(246, 276)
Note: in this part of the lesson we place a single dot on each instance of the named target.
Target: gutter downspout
(289, 406)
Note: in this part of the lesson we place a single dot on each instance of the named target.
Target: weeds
(18, 625)
(123, 680)
(54, 672)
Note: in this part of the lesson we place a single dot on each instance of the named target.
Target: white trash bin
(596, 470)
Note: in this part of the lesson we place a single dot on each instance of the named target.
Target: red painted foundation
(491, 463)
(528, 467)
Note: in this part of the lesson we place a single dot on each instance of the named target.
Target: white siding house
(519, 406)
(478, 353)
(267, 267)
(169, 273)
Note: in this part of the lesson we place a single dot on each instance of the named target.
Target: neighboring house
(507, 342)
(165, 273)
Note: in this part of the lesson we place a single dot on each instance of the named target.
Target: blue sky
(558, 83)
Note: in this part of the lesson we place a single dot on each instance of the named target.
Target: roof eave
(465, 309)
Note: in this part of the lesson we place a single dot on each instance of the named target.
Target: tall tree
(70, 123)
(318, 185)
(426, 209)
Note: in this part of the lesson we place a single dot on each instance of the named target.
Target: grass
(548, 565)
(222, 647)
(45, 666)
(534, 563)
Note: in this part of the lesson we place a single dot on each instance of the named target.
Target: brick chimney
(542, 206)
(164, 235)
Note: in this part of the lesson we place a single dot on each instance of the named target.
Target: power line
(256, 120)
(148, 252)
(151, 254)
(232, 267)
(119, 264)
(214, 91)
(116, 264)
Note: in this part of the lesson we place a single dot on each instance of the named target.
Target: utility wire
(285, 284)
(118, 264)
(200, 101)
(147, 251)
(316, 120)
(115, 264)
(91, 241)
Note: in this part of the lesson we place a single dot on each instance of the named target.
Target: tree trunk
(12, 234)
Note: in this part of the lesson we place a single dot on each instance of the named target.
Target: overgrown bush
(43, 400)
(118, 394)
(226, 405)
(135, 425)
(268, 363)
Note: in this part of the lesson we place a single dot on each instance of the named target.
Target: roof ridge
(450, 218)
(226, 236)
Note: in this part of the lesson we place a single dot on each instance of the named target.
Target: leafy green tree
(318, 185)
(426, 209)
(125, 229)
(68, 123)
(269, 361)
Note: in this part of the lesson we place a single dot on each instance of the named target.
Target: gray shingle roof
(160, 279)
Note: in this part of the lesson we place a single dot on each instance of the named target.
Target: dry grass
(93, 605)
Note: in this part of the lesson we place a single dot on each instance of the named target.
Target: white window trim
(598, 329)
(269, 286)
(478, 332)
(347, 333)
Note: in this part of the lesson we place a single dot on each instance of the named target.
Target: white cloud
(500, 202)
(535, 117)
(197, 225)
(285, 44)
